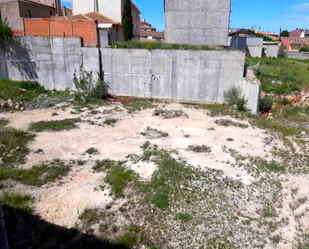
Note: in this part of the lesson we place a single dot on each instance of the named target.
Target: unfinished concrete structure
(15, 10)
(202, 22)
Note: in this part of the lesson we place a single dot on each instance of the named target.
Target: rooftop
(102, 19)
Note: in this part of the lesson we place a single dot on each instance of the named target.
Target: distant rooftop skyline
(263, 15)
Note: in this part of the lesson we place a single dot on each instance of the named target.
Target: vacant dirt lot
(198, 181)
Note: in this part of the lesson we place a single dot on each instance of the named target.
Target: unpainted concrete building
(15, 10)
(202, 22)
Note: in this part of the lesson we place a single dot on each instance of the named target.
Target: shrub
(85, 80)
(304, 49)
(101, 89)
(282, 52)
(5, 31)
(87, 87)
(266, 104)
(232, 96)
(241, 104)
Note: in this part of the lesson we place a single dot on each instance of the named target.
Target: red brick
(36, 27)
(60, 28)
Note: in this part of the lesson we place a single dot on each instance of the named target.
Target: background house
(300, 33)
(149, 33)
(109, 29)
(15, 10)
(243, 40)
(269, 34)
(109, 8)
(295, 43)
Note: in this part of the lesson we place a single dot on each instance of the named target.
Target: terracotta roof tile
(297, 40)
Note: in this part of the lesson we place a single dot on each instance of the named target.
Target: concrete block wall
(203, 22)
(201, 76)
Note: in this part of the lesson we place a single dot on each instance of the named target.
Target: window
(29, 13)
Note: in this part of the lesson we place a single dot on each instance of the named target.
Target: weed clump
(110, 121)
(92, 151)
(227, 123)
(152, 133)
(199, 148)
(166, 114)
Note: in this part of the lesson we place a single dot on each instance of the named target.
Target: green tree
(5, 31)
(285, 33)
(127, 21)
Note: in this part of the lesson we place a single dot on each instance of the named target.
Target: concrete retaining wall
(50, 61)
(201, 76)
(298, 55)
(172, 74)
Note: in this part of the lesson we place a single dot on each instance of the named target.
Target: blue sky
(266, 15)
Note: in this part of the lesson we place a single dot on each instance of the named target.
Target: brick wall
(36, 27)
(60, 28)
(87, 30)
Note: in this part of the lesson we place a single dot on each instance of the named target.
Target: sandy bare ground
(62, 202)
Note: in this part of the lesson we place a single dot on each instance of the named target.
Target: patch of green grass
(277, 125)
(37, 175)
(92, 151)
(184, 217)
(110, 121)
(11, 90)
(3, 122)
(118, 178)
(17, 200)
(13, 145)
(160, 200)
(138, 105)
(106, 165)
(217, 110)
(281, 76)
(59, 125)
(159, 45)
